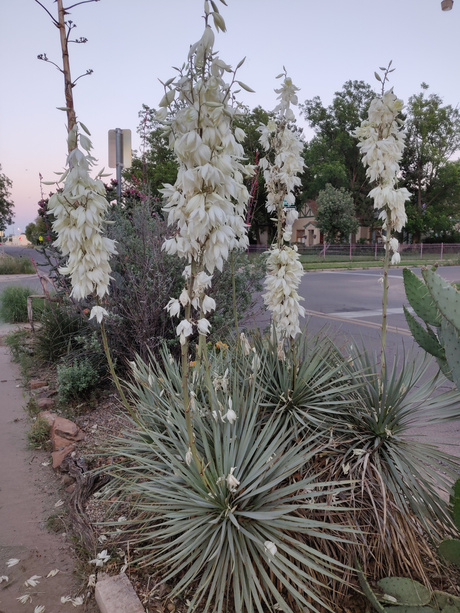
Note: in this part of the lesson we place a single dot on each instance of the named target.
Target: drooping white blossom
(79, 211)
(282, 165)
(284, 273)
(207, 203)
(232, 481)
(381, 142)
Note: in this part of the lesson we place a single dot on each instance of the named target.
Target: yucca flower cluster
(79, 210)
(207, 203)
(281, 165)
(381, 142)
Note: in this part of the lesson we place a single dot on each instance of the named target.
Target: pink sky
(131, 45)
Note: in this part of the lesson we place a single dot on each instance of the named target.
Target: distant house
(305, 232)
(18, 240)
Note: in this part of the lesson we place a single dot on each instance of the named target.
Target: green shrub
(76, 380)
(15, 266)
(13, 304)
(59, 333)
(38, 435)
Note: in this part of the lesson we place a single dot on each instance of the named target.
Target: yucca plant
(241, 534)
(400, 479)
(307, 383)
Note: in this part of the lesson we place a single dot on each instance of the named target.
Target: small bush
(15, 266)
(13, 304)
(76, 380)
(38, 435)
(60, 329)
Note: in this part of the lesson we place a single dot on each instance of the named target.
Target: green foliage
(145, 278)
(36, 230)
(13, 304)
(60, 333)
(332, 155)
(15, 266)
(336, 214)
(433, 136)
(6, 204)
(38, 434)
(76, 380)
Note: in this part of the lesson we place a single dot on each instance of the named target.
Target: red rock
(35, 384)
(59, 442)
(49, 416)
(66, 429)
(45, 403)
(59, 456)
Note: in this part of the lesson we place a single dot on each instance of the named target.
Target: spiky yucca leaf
(379, 424)
(307, 382)
(243, 531)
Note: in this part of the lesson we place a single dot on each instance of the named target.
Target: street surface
(348, 305)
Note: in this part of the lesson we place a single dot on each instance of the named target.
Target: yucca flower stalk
(281, 166)
(207, 204)
(381, 142)
(79, 211)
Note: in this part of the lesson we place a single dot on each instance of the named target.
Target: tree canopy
(332, 156)
(433, 137)
(335, 216)
(6, 204)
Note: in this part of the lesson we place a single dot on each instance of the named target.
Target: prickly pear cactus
(404, 591)
(450, 551)
(450, 548)
(420, 299)
(437, 303)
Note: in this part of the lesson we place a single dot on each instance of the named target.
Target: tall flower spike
(79, 211)
(281, 165)
(207, 203)
(381, 142)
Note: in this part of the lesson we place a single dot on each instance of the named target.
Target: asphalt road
(349, 304)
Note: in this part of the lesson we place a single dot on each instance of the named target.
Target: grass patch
(10, 265)
(314, 263)
(38, 435)
(55, 523)
(20, 344)
(13, 304)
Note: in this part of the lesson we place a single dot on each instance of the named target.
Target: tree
(6, 204)
(433, 137)
(335, 217)
(332, 156)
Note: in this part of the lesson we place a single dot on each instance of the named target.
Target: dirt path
(28, 494)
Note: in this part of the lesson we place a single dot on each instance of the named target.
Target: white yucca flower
(79, 211)
(282, 165)
(381, 142)
(207, 203)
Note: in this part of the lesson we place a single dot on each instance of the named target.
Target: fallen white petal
(24, 598)
(33, 581)
(77, 602)
(3, 578)
(52, 573)
(59, 503)
(12, 562)
(39, 609)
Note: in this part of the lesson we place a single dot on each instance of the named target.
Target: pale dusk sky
(131, 45)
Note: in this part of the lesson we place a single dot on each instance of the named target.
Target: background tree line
(428, 168)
